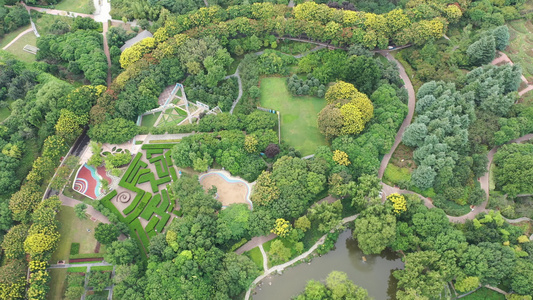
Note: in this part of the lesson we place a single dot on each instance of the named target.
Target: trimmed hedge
(130, 168)
(151, 224)
(161, 225)
(136, 230)
(139, 209)
(166, 199)
(173, 174)
(161, 169)
(150, 152)
(168, 158)
(157, 146)
(139, 174)
(134, 203)
(155, 158)
(152, 206)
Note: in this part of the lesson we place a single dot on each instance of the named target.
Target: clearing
(230, 189)
(17, 47)
(79, 6)
(299, 115)
(74, 230)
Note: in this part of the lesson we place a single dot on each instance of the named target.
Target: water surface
(375, 274)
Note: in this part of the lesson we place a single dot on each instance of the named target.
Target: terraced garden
(147, 213)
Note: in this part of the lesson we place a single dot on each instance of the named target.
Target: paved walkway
(17, 37)
(411, 110)
(93, 264)
(67, 201)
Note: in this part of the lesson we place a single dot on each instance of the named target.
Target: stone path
(17, 37)
(67, 201)
(93, 264)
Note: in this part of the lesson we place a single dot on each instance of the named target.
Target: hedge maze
(153, 206)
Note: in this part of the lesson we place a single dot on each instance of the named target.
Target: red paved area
(85, 183)
(102, 172)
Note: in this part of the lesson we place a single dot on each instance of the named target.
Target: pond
(375, 274)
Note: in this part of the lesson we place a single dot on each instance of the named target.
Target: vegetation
(337, 286)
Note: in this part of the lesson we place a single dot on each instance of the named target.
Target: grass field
(256, 256)
(149, 120)
(520, 49)
(298, 115)
(74, 230)
(16, 48)
(485, 294)
(5, 112)
(10, 36)
(79, 6)
(44, 22)
(57, 283)
(394, 175)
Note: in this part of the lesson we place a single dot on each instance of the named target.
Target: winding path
(411, 110)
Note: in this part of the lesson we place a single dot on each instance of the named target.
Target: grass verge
(79, 6)
(149, 120)
(8, 37)
(57, 283)
(17, 47)
(299, 115)
(484, 294)
(256, 256)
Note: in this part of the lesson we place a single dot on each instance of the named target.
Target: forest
(371, 64)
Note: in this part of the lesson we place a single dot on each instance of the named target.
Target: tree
(250, 144)
(13, 243)
(79, 210)
(113, 131)
(327, 215)
(282, 228)
(398, 202)
(340, 91)
(23, 202)
(501, 37)
(278, 252)
(265, 189)
(421, 275)
(522, 277)
(423, 177)
(482, 51)
(374, 230)
(342, 288)
(235, 219)
(272, 150)
(364, 73)
(302, 223)
(99, 280)
(122, 252)
(341, 158)
(106, 233)
(69, 125)
(330, 121)
(96, 158)
(467, 284)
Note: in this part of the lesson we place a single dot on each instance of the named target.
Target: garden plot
(141, 200)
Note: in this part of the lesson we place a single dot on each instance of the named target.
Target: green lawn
(74, 230)
(256, 256)
(492, 182)
(5, 112)
(298, 115)
(149, 120)
(484, 294)
(79, 6)
(16, 48)
(44, 22)
(520, 49)
(57, 283)
(10, 36)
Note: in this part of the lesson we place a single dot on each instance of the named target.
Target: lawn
(5, 112)
(299, 115)
(10, 36)
(74, 230)
(484, 294)
(394, 175)
(492, 182)
(44, 22)
(520, 49)
(149, 120)
(79, 6)
(57, 283)
(16, 48)
(256, 256)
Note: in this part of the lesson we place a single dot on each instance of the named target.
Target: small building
(139, 37)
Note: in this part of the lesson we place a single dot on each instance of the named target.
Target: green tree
(375, 229)
(79, 210)
(99, 280)
(122, 252)
(113, 131)
(278, 252)
(106, 233)
(327, 215)
(482, 51)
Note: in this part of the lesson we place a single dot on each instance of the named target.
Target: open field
(74, 230)
(520, 49)
(44, 22)
(79, 6)
(16, 48)
(149, 120)
(8, 37)
(298, 115)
